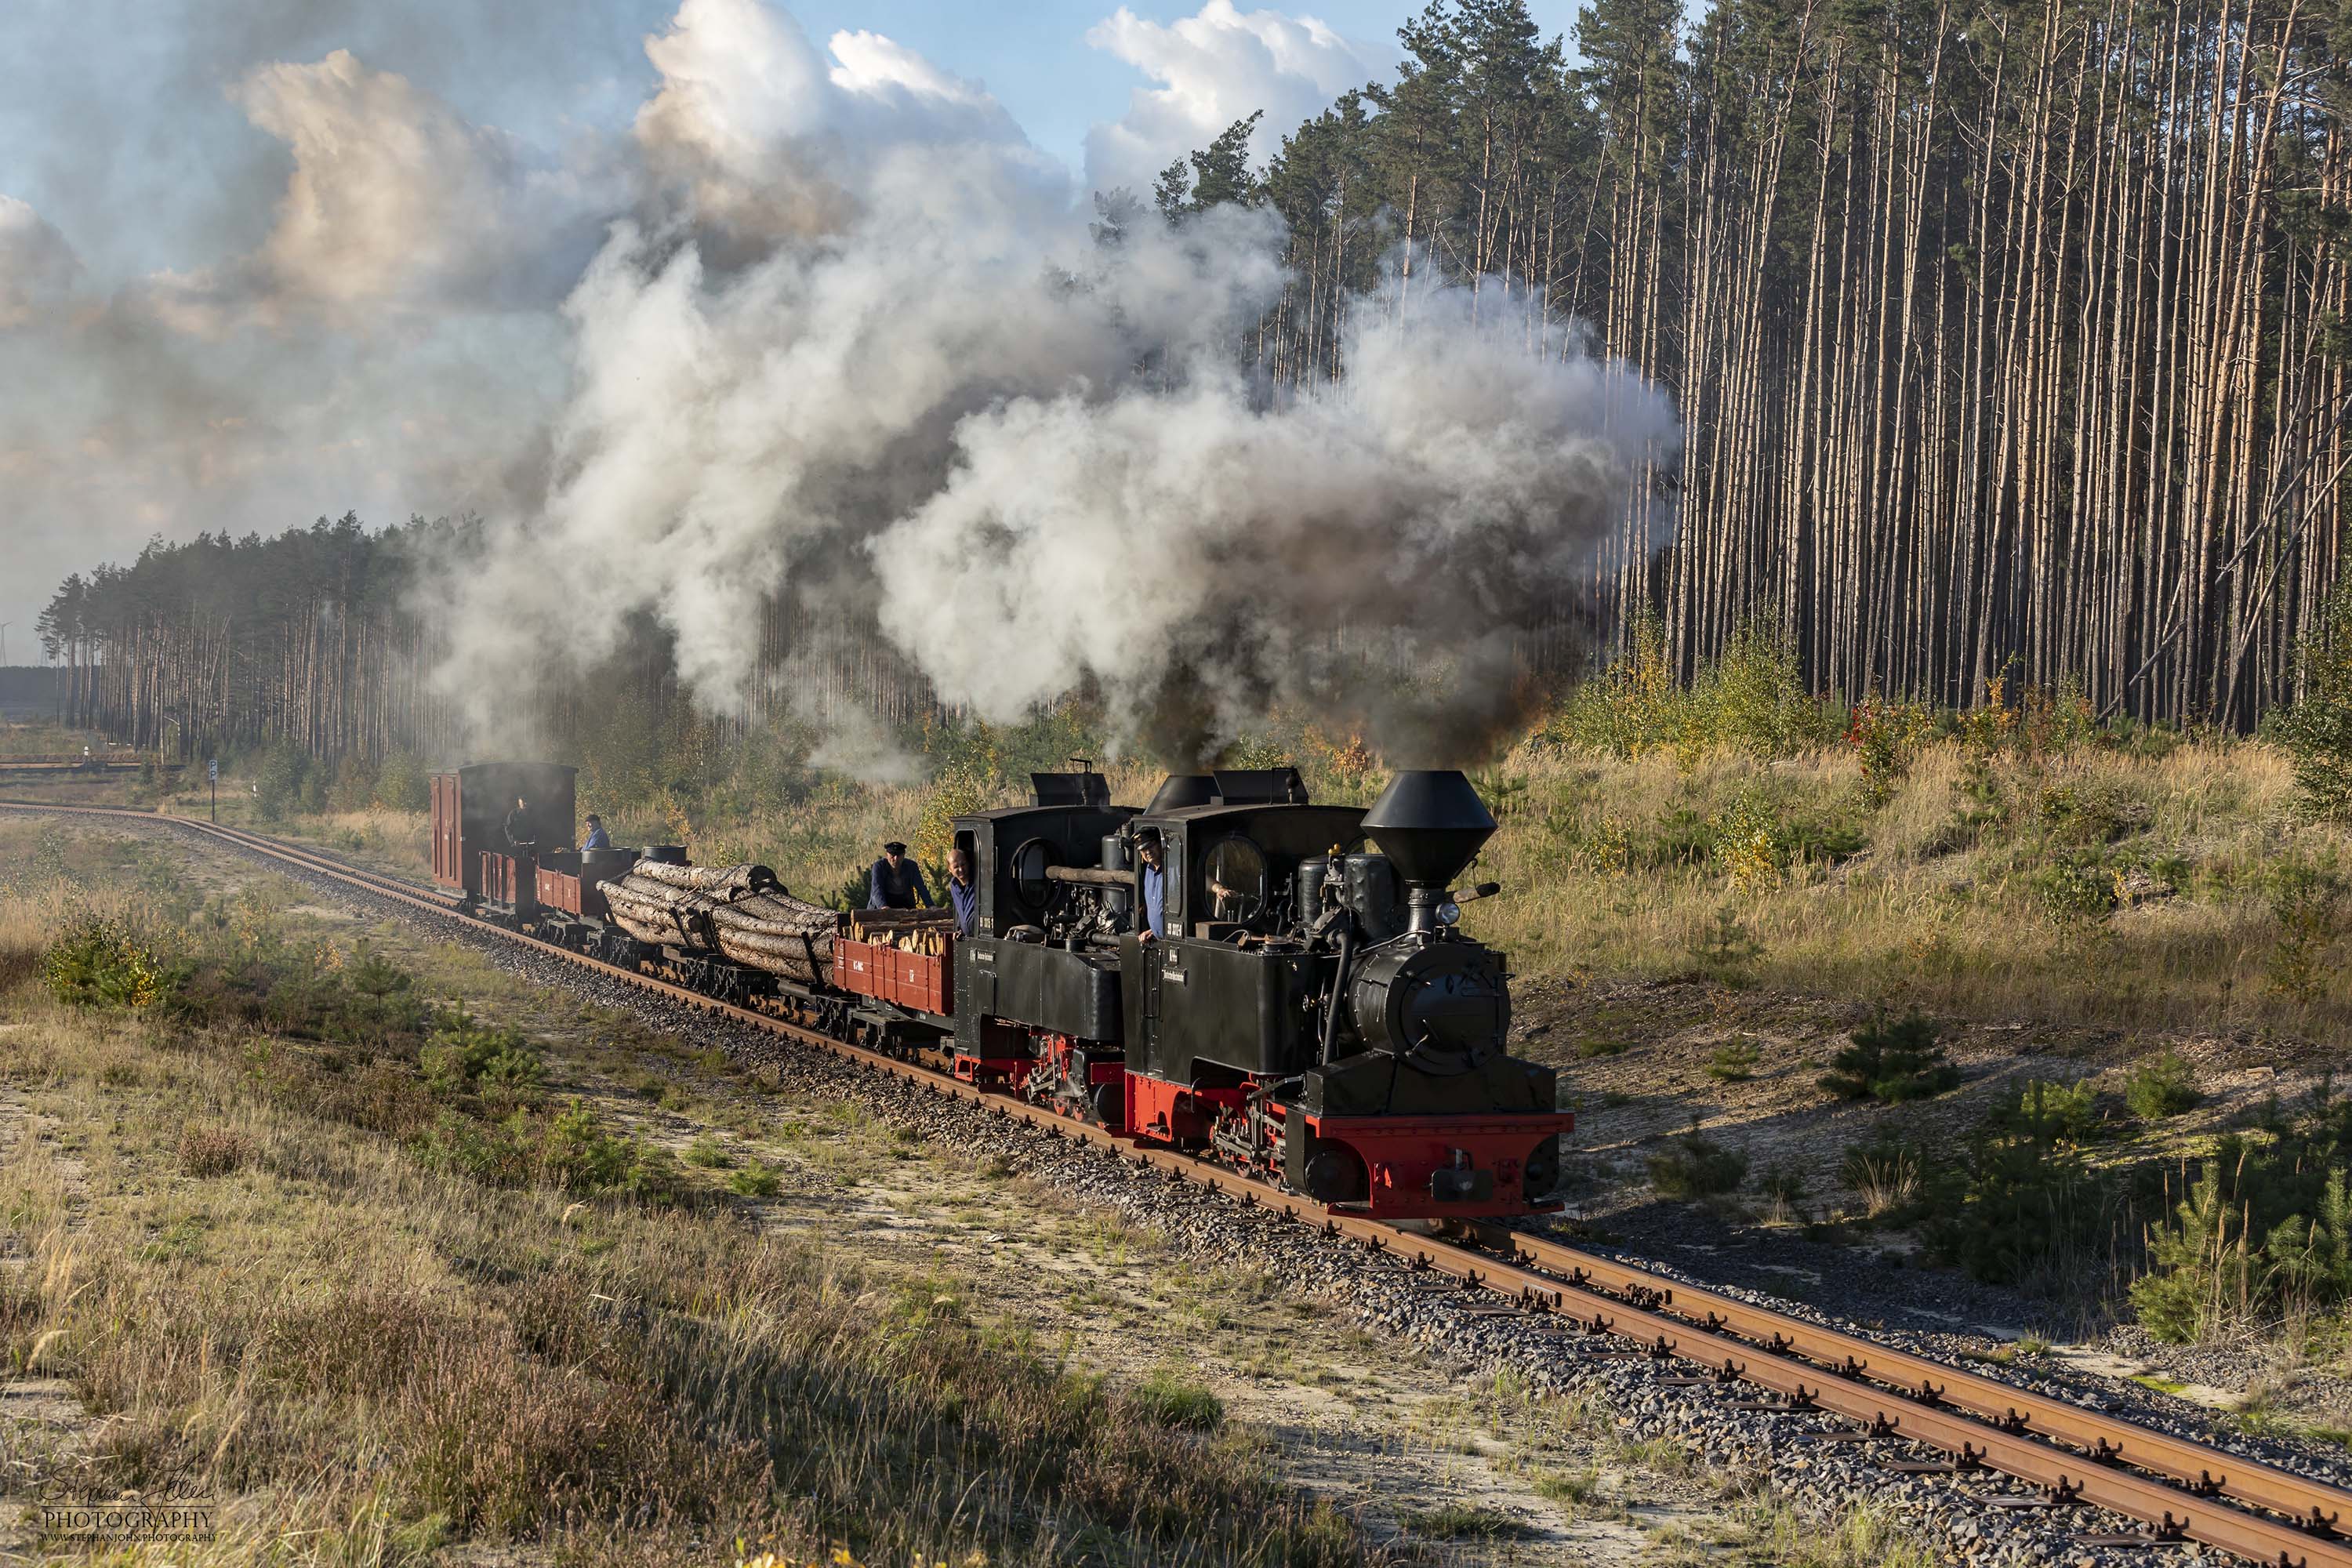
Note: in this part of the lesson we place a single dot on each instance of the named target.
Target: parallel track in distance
(2182, 1491)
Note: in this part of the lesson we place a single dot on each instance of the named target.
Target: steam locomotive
(1308, 1012)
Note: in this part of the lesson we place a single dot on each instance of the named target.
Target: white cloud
(395, 201)
(38, 270)
(762, 139)
(1214, 67)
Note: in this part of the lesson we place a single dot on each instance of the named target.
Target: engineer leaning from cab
(896, 882)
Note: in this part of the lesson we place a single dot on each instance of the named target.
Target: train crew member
(963, 893)
(895, 882)
(518, 823)
(595, 839)
(1155, 885)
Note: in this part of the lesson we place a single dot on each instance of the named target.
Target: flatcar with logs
(1306, 1011)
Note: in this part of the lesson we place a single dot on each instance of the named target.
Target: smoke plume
(858, 346)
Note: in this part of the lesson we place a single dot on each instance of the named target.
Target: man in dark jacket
(895, 882)
(518, 825)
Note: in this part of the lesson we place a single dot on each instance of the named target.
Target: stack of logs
(741, 912)
(910, 930)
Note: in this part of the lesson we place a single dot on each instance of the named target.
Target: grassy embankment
(2033, 866)
(359, 1266)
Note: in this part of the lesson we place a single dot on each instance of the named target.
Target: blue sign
(212, 770)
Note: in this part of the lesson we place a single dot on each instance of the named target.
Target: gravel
(1463, 1330)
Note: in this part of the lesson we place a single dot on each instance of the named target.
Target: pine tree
(1891, 1062)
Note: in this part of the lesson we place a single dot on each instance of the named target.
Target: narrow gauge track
(2183, 1490)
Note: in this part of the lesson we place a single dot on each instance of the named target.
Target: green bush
(755, 1180)
(1631, 709)
(580, 1154)
(1172, 1399)
(2306, 899)
(403, 782)
(354, 788)
(496, 1153)
(1760, 704)
(2164, 1085)
(2028, 1210)
(1694, 1167)
(2074, 815)
(1750, 699)
(464, 1054)
(266, 984)
(1891, 1061)
(2260, 1226)
(2076, 889)
(101, 964)
(1885, 737)
(2067, 1111)
(2317, 730)
(278, 778)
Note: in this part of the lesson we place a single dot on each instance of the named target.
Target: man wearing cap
(895, 882)
(596, 838)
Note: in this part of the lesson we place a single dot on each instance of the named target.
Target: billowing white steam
(863, 349)
(1444, 495)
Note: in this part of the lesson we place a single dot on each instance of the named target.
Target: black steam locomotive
(1306, 1011)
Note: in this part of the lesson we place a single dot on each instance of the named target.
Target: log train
(1309, 1014)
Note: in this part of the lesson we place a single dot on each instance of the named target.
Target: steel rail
(2174, 1485)
(1920, 1377)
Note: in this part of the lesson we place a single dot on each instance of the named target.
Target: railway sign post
(212, 777)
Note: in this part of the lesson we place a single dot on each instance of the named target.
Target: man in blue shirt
(963, 893)
(1155, 887)
(895, 882)
(595, 839)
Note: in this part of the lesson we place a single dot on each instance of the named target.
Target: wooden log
(645, 930)
(802, 960)
(724, 882)
(680, 923)
(741, 912)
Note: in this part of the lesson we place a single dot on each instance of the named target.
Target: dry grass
(365, 1357)
(1940, 910)
(42, 899)
(1934, 912)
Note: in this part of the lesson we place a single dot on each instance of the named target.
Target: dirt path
(44, 1431)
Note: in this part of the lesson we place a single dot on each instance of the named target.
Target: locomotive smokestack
(1430, 822)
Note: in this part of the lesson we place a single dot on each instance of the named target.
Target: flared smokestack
(1430, 822)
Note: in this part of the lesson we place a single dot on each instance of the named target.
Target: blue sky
(118, 110)
(1035, 57)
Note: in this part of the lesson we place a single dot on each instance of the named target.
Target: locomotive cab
(1040, 975)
